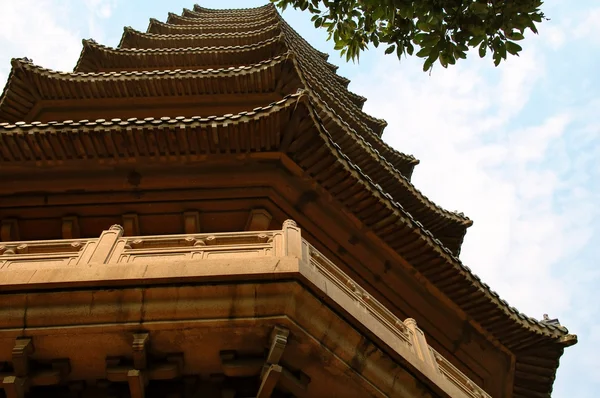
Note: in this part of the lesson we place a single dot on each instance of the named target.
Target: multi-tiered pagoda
(148, 249)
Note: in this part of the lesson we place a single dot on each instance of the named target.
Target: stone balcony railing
(113, 248)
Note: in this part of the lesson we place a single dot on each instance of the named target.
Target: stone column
(100, 251)
(419, 342)
(292, 240)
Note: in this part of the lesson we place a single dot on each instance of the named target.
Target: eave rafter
(27, 80)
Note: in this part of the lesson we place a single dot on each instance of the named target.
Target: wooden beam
(258, 220)
(269, 381)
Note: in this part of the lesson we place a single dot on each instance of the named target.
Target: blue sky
(517, 148)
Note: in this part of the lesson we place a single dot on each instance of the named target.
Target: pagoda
(206, 211)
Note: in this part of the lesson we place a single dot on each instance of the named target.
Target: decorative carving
(116, 227)
(289, 223)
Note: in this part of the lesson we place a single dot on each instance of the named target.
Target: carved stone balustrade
(115, 259)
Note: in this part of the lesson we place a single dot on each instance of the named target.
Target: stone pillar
(99, 252)
(292, 240)
(419, 343)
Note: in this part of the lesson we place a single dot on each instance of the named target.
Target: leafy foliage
(435, 30)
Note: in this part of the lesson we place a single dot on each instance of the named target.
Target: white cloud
(38, 30)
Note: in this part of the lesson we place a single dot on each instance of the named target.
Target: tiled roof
(158, 27)
(207, 13)
(28, 84)
(235, 11)
(135, 39)
(96, 57)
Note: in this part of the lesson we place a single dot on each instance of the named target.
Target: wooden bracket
(20, 356)
(9, 230)
(191, 222)
(258, 220)
(269, 381)
(70, 227)
(140, 342)
(139, 375)
(14, 387)
(131, 225)
(279, 337)
(18, 384)
(137, 383)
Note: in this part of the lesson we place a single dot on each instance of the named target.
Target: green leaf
(515, 36)
(390, 49)
(482, 49)
(424, 52)
(513, 48)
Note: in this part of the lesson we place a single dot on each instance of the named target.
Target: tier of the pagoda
(232, 82)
